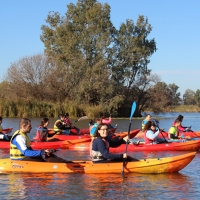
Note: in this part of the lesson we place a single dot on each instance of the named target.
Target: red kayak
(165, 134)
(48, 145)
(193, 145)
(7, 130)
(83, 131)
(133, 133)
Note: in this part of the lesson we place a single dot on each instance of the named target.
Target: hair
(97, 119)
(66, 114)
(96, 133)
(148, 125)
(177, 121)
(180, 118)
(1, 118)
(44, 120)
(91, 122)
(61, 115)
(24, 121)
(148, 115)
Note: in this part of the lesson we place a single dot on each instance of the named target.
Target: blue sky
(176, 29)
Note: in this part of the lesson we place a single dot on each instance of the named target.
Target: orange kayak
(149, 166)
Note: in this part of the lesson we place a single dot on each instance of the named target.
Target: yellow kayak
(149, 166)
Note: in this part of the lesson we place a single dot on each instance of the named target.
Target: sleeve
(107, 121)
(151, 135)
(181, 128)
(20, 142)
(115, 142)
(101, 146)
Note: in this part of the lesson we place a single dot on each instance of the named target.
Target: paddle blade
(133, 109)
(82, 118)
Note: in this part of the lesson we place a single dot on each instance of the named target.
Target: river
(182, 185)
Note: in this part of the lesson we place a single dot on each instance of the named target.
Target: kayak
(7, 130)
(133, 133)
(47, 145)
(193, 145)
(149, 166)
(74, 131)
(165, 134)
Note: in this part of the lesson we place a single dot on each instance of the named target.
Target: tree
(197, 97)
(189, 97)
(81, 42)
(133, 49)
(30, 78)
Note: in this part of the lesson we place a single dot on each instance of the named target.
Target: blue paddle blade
(133, 109)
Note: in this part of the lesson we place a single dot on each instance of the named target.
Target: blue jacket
(99, 145)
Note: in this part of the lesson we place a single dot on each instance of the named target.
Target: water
(182, 185)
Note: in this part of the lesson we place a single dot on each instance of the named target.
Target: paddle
(157, 124)
(82, 118)
(132, 112)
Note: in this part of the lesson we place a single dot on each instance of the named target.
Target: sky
(175, 23)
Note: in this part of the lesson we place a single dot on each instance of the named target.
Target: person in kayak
(147, 119)
(108, 121)
(2, 135)
(60, 125)
(180, 127)
(68, 123)
(151, 134)
(20, 146)
(97, 121)
(42, 131)
(174, 130)
(99, 148)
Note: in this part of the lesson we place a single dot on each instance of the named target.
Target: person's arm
(115, 142)
(20, 142)
(101, 147)
(151, 135)
(60, 125)
(107, 121)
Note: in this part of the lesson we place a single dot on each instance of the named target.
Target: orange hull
(150, 166)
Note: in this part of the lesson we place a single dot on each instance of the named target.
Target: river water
(182, 185)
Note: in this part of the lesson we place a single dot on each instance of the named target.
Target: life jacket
(143, 123)
(56, 129)
(38, 134)
(15, 153)
(1, 129)
(174, 131)
(147, 140)
(93, 129)
(96, 155)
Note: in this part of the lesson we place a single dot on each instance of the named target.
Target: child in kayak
(180, 127)
(174, 130)
(3, 136)
(99, 150)
(151, 134)
(42, 131)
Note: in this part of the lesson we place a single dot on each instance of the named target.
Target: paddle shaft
(132, 112)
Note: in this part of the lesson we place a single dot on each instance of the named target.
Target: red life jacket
(146, 139)
(37, 137)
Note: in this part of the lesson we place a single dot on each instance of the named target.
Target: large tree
(81, 41)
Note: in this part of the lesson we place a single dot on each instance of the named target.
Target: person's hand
(124, 155)
(48, 152)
